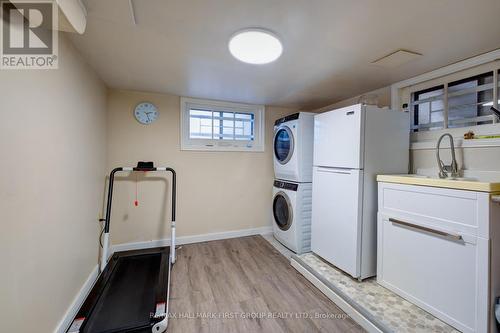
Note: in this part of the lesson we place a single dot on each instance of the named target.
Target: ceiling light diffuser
(255, 46)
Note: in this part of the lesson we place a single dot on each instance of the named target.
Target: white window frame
(473, 66)
(256, 145)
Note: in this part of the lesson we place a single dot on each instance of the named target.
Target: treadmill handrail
(107, 219)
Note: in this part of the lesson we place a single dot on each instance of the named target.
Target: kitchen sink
(465, 179)
(476, 180)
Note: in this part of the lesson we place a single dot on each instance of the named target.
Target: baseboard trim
(337, 299)
(77, 301)
(88, 284)
(191, 239)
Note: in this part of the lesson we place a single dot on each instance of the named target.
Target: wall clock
(146, 113)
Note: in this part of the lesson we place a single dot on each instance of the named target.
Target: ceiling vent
(397, 58)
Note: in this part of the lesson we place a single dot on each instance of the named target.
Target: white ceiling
(180, 47)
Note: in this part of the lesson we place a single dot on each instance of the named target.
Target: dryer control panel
(285, 185)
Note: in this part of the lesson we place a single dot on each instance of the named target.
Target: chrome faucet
(453, 167)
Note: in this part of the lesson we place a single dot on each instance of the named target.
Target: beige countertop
(466, 183)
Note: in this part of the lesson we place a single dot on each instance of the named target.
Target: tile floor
(388, 310)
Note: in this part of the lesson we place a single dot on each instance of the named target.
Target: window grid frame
(413, 105)
(217, 108)
(218, 115)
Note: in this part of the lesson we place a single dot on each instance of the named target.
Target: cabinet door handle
(433, 231)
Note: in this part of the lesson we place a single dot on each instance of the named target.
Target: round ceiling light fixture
(255, 46)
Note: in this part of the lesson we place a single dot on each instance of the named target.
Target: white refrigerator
(351, 146)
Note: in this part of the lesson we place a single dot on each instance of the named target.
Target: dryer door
(282, 211)
(283, 144)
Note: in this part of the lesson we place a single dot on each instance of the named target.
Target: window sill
(255, 149)
(459, 143)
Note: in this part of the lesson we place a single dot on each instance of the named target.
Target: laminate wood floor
(246, 285)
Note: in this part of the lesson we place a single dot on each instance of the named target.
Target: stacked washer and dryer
(292, 191)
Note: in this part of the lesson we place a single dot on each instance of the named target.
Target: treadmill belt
(128, 299)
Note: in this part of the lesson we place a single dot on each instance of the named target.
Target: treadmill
(132, 290)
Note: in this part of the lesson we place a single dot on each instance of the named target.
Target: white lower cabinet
(434, 261)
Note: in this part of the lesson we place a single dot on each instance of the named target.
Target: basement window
(469, 101)
(462, 103)
(428, 109)
(221, 126)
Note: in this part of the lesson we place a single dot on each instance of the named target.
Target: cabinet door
(437, 272)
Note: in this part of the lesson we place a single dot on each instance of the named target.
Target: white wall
(380, 97)
(217, 191)
(471, 158)
(53, 155)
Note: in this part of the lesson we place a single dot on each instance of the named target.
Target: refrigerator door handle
(330, 170)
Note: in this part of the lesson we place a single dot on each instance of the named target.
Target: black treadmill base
(125, 296)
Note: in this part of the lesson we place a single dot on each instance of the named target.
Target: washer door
(283, 144)
(282, 211)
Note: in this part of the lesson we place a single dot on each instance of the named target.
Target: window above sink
(453, 99)
(457, 104)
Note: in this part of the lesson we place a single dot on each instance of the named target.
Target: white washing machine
(292, 205)
(293, 147)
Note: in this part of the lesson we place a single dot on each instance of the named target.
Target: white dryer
(292, 205)
(293, 147)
